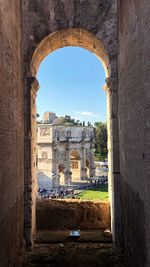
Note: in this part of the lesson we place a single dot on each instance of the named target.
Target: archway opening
(87, 168)
(62, 175)
(71, 37)
(75, 166)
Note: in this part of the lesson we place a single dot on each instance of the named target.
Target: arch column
(68, 167)
(91, 165)
(55, 166)
(30, 161)
(87, 40)
(83, 163)
(113, 159)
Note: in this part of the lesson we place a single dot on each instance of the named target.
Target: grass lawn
(98, 193)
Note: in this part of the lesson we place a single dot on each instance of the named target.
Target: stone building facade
(65, 154)
(49, 117)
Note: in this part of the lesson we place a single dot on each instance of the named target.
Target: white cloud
(86, 113)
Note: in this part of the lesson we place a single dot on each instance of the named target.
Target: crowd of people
(99, 181)
(55, 193)
(62, 192)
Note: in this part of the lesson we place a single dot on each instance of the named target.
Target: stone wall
(134, 124)
(11, 135)
(70, 214)
(98, 18)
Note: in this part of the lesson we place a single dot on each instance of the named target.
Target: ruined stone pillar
(83, 163)
(113, 158)
(30, 162)
(107, 88)
(68, 167)
(34, 89)
(55, 169)
(91, 162)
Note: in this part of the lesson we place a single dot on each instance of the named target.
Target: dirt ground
(72, 255)
(53, 250)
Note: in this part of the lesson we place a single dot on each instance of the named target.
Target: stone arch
(90, 162)
(87, 167)
(75, 165)
(61, 169)
(75, 154)
(85, 39)
(69, 37)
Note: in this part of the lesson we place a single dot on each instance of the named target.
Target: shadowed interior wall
(11, 135)
(134, 126)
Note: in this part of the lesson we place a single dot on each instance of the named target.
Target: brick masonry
(134, 128)
(11, 135)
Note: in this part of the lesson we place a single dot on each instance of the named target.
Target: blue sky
(71, 81)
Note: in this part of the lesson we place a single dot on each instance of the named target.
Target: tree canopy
(101, 138)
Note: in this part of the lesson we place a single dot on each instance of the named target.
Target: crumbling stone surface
(11, 135)
(41, 18)
(70, 214)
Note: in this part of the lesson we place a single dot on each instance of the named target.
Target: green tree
(101, 138)
(71, 121)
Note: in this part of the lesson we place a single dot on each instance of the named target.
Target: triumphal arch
(65, 153)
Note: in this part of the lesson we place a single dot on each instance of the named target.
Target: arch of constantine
(65, 154)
